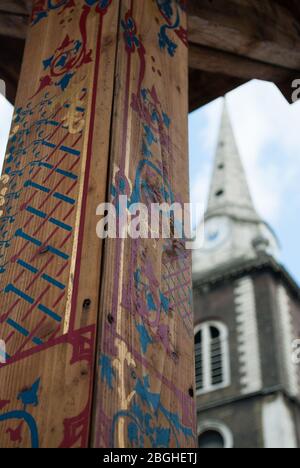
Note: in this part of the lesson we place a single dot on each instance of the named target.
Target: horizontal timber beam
(13, 25)
(262, 30)
(215, 61)
(19, 7)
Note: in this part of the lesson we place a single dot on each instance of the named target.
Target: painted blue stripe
(47, 165)
(53, 281)
(36, 212)
(62, 197)
(60, 224)
(11, 288)
(70, 175)
(17, 327)
(37, 341)
(20, 233)
(69, 150)
(29, 183)
(57, 252)
(49, 312)
(50, 145)
(31, 424)
(27, 266)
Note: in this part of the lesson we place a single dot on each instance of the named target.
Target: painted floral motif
(142, 417)
(144, 413)
(41, 8)
(130, 33)
(101, 5)
(156, 122)
(61, 67)
(170, 10)
(155, 289)
(21, 420)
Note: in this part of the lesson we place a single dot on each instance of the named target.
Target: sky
(267, 131)
(6, 111)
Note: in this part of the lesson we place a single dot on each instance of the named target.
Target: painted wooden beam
(54, 177)
(145, 373)
(101, 111)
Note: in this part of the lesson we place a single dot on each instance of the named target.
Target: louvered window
(211, 357)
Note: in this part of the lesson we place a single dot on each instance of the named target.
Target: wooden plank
(216, 61)
(13, 25)
(144, 393)
(18, 7)
(261, 30)
(55, 175)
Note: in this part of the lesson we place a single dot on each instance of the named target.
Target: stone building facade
(247, 319)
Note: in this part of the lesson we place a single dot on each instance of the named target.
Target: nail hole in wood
(110, 319)
(87, 304)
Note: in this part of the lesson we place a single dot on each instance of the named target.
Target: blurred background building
(247, 316)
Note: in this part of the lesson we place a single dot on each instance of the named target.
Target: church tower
(247, 319)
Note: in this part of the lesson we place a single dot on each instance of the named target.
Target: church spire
(233, 231)
(229, 192)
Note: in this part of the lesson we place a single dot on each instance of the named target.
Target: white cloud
(263, 119)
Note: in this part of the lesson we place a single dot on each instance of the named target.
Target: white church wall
(286, 336)
(247, 330)
(278, 426)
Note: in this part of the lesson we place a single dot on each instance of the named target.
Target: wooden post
(101, 112)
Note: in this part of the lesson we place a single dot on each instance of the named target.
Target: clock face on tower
(216, 232)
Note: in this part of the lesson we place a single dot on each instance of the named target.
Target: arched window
(213, 435)
(212, 357)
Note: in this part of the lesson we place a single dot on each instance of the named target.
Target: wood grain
(145, 375)
(55, 174)
(101, 111)
(261, 30)
(217, 61)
